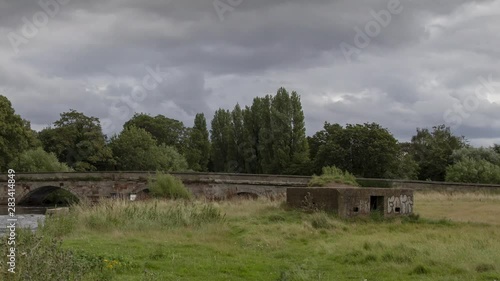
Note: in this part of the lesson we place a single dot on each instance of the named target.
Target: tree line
(266, 137)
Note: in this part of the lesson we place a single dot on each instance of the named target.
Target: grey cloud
(93, 53)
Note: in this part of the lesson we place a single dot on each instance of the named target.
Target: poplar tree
(236, 157)
(198, 145)
(220, 136)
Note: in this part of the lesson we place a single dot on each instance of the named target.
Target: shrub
(333, 174)
(168, 186)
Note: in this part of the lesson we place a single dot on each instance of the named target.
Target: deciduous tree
(135, 149)
(432, 151)
(164, 130)
(78, 141)
(16, 135)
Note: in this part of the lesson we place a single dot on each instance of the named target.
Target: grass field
(457, 237)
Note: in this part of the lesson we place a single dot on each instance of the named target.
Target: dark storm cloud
(92, 55)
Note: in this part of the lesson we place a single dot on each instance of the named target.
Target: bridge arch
(143, 193)
(39, 196)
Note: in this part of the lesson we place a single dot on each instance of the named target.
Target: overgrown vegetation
(168, 186)
(41, 258)
(155, 214)
(332, 174)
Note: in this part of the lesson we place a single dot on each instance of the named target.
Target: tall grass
(154, 214)
(332, 174)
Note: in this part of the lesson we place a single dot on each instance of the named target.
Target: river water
(27, 217)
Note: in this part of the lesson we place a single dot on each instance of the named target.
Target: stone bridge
(32, 188)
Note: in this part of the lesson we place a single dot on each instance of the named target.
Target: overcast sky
(403, 65)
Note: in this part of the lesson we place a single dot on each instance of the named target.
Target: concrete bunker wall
(363, 201)
(321, 197)
(352, 202)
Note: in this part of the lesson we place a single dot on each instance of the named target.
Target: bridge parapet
(96, 185)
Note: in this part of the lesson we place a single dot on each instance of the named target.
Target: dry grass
(460, 207)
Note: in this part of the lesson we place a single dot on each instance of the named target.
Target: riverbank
(263, 240)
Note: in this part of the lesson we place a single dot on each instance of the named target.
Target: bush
(168, 186)
(333, 174)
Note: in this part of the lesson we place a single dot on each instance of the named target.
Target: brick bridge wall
(210, 185)
(103, 184)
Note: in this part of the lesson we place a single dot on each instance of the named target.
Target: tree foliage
(473, 170)
(220, 136)
(476, 153)
(432, 150)
(136, 150)
(366, 150)
(267, 137)
(38, 160)
(15, 134)
(198, 145)
(78, 141)
(164, 130)
(406, 168)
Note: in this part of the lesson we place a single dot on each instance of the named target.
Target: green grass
(264, 240)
